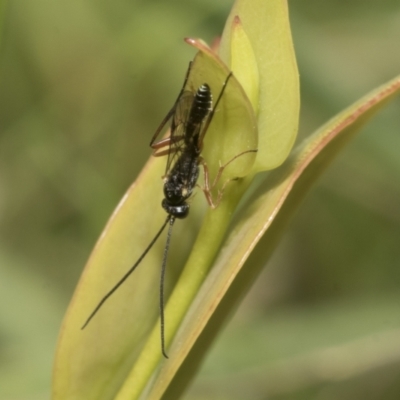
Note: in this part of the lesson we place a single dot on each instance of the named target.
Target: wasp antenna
(163, 268)
(125, 277)
(190, 116)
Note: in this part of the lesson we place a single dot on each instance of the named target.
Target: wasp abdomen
(202, 104)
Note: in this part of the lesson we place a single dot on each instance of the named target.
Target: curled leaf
(244, 63)
(266, 25)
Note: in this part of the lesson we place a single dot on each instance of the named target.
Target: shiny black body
(182, 177)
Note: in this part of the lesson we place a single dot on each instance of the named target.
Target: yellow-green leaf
(244, 63)
(92, 363)
(266, 24)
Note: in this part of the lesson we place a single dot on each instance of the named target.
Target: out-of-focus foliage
(83, 86)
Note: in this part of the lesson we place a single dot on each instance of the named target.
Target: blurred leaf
(334, 342)
(30, 317)
(3, 7)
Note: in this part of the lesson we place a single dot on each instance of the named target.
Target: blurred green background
(84, 85)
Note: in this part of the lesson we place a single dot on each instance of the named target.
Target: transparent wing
(171, 112)
(178, 127)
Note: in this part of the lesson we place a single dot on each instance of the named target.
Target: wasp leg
(207, 188)
(164, 143)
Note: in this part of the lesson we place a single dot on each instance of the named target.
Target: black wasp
(191, 116)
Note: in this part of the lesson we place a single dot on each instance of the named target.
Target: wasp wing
(178, 128)
(171, 112)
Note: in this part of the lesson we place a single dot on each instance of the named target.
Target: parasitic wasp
(190, 118)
